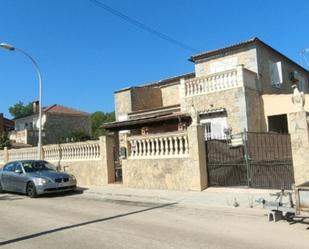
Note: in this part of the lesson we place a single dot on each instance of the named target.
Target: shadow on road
(18, 196)
(301, 221)
(9, 197)
(78, 191)
(35, 235)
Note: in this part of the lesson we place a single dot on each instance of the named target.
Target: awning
(212, 111)
(147, 121)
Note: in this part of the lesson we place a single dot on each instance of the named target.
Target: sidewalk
(211, 197)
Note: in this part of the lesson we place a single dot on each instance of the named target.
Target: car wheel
(31, 191)
(1, 189)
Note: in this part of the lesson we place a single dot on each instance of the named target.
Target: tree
(98, 119)
(75, 136)
(4, 141)
(20, 110)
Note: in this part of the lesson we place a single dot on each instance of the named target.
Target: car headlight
(40, 181)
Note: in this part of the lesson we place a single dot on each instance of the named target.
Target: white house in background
(58, 123)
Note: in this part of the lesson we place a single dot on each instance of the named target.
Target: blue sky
(86, 53)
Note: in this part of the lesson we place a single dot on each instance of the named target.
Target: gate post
(246, 154)
(107, 157)
(299, 132)
(198, 156)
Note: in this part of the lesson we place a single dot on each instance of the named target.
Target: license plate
(63, 184)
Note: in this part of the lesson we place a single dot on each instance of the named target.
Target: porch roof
(151, 120)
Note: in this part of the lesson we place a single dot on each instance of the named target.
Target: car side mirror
(18, 171)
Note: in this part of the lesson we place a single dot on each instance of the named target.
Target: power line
(142, 26)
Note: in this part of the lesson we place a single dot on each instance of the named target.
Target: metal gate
(259, 160)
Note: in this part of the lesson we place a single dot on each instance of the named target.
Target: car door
(6, 180)
(18, 179)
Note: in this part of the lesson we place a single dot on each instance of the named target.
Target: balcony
(226, 80)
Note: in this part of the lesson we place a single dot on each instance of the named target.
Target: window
(214, 127)
(38, 166)
(278, 123)
(18, 167)
(207, 131)
(302, 83)
(276, 74)
(10, 167)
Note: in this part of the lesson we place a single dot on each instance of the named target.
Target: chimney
(35, 106)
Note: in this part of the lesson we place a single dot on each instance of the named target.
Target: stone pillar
(107, 156)
(42, 153)
(182, 95)
(240, 75)
(198, 156)
(298, 128)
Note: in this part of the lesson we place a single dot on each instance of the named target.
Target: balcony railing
(159, 145)
(212, 83)
(229, 79)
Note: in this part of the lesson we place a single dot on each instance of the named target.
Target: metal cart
(289, 205)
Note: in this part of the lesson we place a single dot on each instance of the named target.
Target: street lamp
(12, 48)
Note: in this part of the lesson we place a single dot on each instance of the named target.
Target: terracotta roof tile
(63, 110)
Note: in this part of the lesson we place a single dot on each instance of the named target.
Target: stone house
(5, 124)
(242, 86)
(58, 121)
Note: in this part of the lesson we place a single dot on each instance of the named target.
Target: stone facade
(246, 57)
(255, 111)
(170, 94)
(232, 89)
(170, 172)
(244, 105)
(232, 100)
(123, 104)
(144, 98)
(59, 126)
(160, 94)
(265, 56)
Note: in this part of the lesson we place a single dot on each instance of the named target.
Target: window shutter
(216, 129)
(276, 73)
(302, 83)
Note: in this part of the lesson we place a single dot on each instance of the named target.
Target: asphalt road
(79, 221)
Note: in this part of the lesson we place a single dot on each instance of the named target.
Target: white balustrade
(89, 150)
(159, 145)
(212, 83)
(23, 154)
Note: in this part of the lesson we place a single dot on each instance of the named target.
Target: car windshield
(38, 166)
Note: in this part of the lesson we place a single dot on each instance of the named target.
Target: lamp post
(12, 48)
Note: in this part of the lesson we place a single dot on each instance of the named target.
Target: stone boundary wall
(91, 162)
(173, 161)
